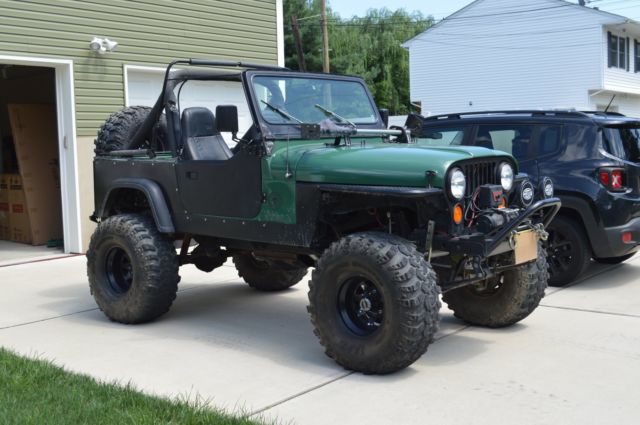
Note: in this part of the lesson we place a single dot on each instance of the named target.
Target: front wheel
(374, 302)
(502, 300)
(132, 269)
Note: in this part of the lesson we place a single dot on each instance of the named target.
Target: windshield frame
(292, 130)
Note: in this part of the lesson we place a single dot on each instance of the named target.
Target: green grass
(37, 392)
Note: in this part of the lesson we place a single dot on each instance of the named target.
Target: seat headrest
(198, 122)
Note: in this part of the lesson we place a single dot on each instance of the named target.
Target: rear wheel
(132, 269)
(505, 299)
(615, 260)
(567, 250)
(118, 130)
(374, 302)
(266, 275)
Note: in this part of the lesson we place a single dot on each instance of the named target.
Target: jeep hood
(385, 165)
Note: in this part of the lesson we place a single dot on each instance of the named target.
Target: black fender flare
(154, 195)
(584, 208)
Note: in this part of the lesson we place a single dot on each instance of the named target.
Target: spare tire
(118, 130)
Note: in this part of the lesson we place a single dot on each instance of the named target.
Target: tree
(368, 46)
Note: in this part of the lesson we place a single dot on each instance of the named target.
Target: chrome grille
(478, 173)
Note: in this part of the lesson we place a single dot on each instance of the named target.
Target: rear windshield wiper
(281, 112)
(332, 114)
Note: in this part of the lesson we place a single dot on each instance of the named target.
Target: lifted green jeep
(317, 180)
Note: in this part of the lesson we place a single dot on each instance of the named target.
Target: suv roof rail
(604, 114)
(532, 112)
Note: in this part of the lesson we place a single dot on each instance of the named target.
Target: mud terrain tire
(265, 275)
(374, 302)
(511, 298)
(132, 269)
(118, 130)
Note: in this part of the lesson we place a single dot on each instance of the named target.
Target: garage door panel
(144, 86)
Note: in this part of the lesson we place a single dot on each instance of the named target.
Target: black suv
(593, 159)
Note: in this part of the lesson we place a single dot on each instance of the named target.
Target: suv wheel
(567, 249)
(615, 260)
(505, 299)
(132, 269)
(265, 275)
(374, 302)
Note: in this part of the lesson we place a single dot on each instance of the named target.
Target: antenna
(610, 102)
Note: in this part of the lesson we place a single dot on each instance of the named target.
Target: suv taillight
(614, 179)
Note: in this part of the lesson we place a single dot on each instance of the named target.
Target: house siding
(616, 79)
(490, 56)
(149, 33)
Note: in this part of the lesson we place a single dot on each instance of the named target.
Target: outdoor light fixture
(102, 45)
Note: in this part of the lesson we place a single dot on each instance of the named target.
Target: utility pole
(302, 66)
(325, 37)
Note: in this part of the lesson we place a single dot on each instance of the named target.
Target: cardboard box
(4, 207)
(35, 137)
(19, 227)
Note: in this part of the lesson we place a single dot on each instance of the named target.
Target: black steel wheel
(374, 302)
(568, 251)
(502, 300)
(361, 305)
(119, 270)
(132, 269)
(266, 275)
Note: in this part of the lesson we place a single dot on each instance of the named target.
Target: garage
(31, 213)
(98, 60)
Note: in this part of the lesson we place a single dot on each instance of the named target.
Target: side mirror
(384, 113)
(227, 119)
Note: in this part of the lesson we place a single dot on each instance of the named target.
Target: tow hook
(540, 230)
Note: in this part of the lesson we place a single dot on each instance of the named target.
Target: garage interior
(30, 199)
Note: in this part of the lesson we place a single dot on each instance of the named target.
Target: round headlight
(457, 183)
(526, 193)
(506, 176)
(547, 187)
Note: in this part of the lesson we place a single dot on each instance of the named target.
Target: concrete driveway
(576, 360)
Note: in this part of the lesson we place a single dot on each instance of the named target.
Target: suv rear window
(623, 142)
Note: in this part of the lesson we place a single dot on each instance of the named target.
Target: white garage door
(144, 86)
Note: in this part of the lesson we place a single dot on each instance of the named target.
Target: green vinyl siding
(148, 32)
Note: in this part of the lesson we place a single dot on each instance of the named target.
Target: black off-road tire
(517, 294)
(402, 295)
(568, 251)
(132, 269)
(614, 260)
(265, 275)
(118, 130)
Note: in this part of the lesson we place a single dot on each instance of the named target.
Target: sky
(442, 8)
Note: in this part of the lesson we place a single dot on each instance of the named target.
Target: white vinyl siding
(621, 79)
(509, 54)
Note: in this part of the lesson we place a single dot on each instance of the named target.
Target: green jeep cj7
(316, 180)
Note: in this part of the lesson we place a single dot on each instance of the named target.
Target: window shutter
(627, 51)
(611, 49)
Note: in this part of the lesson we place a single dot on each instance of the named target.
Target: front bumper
(486, 245)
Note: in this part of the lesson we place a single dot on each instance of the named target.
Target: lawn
(37, 392)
